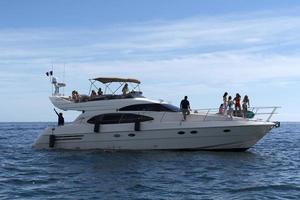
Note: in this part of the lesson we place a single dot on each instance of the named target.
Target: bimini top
(105, 80)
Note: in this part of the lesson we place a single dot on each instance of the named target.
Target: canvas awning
(105, 80)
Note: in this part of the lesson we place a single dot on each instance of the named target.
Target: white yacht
(130, 121)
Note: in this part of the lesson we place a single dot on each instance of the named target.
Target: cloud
(210, 69)
(252, 33)
(205, 55)
(259, 42)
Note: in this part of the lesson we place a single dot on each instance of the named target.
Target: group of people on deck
(227, 106)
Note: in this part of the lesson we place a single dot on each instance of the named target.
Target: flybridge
(121, 82)
(112, 90)
(109, 88)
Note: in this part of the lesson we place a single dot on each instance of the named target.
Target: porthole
(194, 132)
(117, 135)
(226, 130)
(181, 132)
(131, 135)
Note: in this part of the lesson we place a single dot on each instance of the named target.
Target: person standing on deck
(61, 120)
(246, 104)
(185, 107)
(230, 105)
(237, 102)
(225, 101)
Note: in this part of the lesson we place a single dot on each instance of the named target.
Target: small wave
(273, 165)
(267, 187)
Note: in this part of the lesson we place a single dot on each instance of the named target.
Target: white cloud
(253, 33)
(210, 69)
(195, 55)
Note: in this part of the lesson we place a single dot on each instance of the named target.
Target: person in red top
(237, 102)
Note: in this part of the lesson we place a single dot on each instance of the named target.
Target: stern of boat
(42, 142)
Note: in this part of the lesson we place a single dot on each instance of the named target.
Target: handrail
(255, 110)
(206, 112)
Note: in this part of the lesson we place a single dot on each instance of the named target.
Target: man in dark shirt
(185, 107)
(61, 120)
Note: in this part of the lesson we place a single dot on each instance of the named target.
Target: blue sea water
(269, 170)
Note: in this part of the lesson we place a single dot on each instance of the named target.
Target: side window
(95, 120)
(144, 118)
(128, 118)
(113, 118)
(136, 107)
(116, 118)
(131, 118)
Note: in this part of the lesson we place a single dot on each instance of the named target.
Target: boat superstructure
(130, 121)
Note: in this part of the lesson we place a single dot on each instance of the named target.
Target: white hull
(206, 138)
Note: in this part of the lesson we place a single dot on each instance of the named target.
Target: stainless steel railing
(267, 112)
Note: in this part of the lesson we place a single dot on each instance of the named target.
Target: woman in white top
(225, 101)
(230, 106)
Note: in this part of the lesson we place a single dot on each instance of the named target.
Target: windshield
(172, 107)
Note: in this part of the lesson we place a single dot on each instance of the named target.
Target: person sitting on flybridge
(75, 96)
(100, 92)
(93, 94)
(125, 89)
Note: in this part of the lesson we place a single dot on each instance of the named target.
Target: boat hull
(237, 138)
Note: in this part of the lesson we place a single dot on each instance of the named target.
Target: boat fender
(137, 126)
(97, 128)
(51, 141)
(277, 124)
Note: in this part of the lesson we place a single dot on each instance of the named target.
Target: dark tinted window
(130, 118)
(112, 118)
(151, 107)
(172, 107)
(95, 120)
(116, 118)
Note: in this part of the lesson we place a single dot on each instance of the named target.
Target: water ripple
(270, 170)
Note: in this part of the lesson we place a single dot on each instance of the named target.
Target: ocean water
(269, 170)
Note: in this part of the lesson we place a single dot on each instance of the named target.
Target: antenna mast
(64, 78)
(51, 78)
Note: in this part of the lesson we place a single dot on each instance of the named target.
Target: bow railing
(259, 113)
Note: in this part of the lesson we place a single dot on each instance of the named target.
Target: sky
(175, 47)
